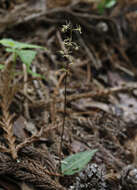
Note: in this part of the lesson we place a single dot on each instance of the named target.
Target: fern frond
(7, 93)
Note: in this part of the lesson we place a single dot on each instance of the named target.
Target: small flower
(78, 28)
(66, 27)
(76, 48)
(61, 52)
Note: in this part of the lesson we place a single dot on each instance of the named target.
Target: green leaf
(7, 43)
(105, 4)
(19, 45)
(1, 66)
(110, 3)
(76, 162)
(26, 56)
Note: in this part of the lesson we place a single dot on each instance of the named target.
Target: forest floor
(101, 96)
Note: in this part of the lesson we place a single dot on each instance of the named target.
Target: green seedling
(23, 51)
(76, 162)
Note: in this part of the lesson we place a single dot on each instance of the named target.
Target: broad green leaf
(1, 66)
(26, 56)
(76, 162)
(19, 45)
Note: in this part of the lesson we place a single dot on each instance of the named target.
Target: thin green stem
(14, 58)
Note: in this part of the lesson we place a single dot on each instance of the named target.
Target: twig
(106, 92)
(34, 137)
(36, 85)
(26, 108)
(96, 63)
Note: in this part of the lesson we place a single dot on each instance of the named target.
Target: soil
(94, 99)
